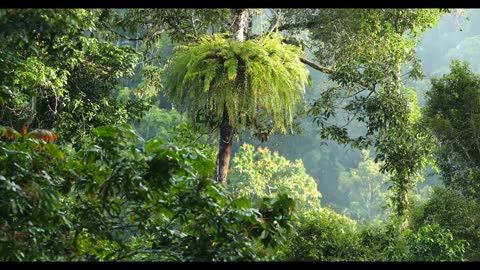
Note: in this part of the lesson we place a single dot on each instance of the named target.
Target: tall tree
(453, 115)
(226, 130)
(365, 53)
(233, 83)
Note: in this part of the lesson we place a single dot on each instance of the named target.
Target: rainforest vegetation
(239, 135)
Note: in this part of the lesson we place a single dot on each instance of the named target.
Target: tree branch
(317, 66)
(331, 71)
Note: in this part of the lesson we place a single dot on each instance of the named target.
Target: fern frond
(206, 74)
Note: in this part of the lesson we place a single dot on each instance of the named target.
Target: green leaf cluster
(453, 116)
(451, 210)
(260, 173)
(257, 76)
(58, 73)
(322, 235)
(119, 198)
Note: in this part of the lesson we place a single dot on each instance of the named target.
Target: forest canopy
(239, 134)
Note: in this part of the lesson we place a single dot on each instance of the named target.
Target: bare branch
(317, 66)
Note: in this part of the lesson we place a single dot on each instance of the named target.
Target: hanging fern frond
(261, 74)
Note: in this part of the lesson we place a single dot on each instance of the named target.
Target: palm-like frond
(256, 75)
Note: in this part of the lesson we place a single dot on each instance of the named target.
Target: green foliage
(322, 235)
(454, 212)
(195, 219)
(91, 91)
(56, 73)
(173, 127)
(33, 182)
(181, 24)
(383, 242)
(389, 242)
(118, 200)
(256, 77)
(26, 71)
(365, 187)
(261, 173)
(452, 114)
(158, 122)
(367, 51)
(323, 160)
(363, 46)
(104, 194)
(404, 150)
(433, 243)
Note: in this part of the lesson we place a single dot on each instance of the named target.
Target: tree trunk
(226, 130)
(240, 19)
(226, 133)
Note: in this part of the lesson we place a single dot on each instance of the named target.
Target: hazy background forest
(100, 158)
